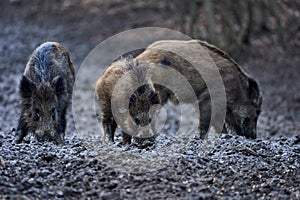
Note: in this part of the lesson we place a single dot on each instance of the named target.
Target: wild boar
(45, 93)
(243, 96)
(142, 99)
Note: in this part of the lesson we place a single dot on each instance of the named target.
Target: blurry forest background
(229, 24)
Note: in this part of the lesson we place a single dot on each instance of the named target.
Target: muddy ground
(226, 167)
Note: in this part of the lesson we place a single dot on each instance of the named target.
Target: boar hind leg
(205, 115)
(109, 128)
(21, 131)
(126, 139)
(203, 127)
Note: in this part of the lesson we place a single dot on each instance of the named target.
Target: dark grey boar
(243, 96)
(45, 93)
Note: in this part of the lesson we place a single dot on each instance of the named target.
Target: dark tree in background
(228, 23)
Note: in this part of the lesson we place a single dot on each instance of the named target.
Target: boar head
(42, 107)
(242, 115)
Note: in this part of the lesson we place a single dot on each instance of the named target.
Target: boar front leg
(126, 138)
(205, 115)
(59, 136)
(109, 127)
(203, 127)
(21, 130)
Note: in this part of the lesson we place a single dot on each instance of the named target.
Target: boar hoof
(59, 139)
(18, 140)
(126, 139)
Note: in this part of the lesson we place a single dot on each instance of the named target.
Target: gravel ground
(224, 166)
(234, 167)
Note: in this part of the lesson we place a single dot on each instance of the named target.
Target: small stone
(60, 193)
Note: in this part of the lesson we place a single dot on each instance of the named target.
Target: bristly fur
(44, 93)
(138, 70)
(43, 60)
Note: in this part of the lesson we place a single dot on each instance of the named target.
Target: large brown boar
(45, 93)
(242, 93)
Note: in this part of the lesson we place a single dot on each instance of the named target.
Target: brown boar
(243, 96)
(45, 93)
(140, 101)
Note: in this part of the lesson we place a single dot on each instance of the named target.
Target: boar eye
(53, 113)
(136, 120)
(36, 114)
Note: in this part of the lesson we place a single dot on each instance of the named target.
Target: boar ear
(253, 92)
(27, 87)
(59, 85)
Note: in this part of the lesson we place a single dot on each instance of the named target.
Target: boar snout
(49, 135)
(251, 135)
(249, 128)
